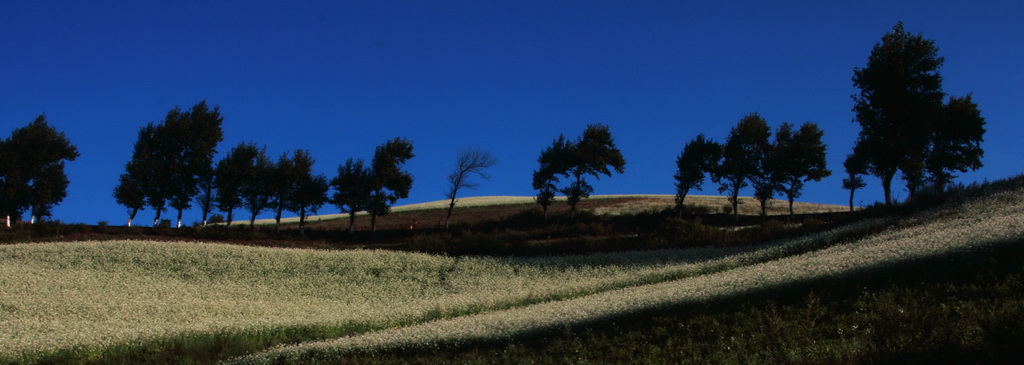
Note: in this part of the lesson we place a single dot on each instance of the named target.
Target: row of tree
(905, 128)
(748, 158)
(32, 177)
(172, 165)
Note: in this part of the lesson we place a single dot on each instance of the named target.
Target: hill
(145, 301)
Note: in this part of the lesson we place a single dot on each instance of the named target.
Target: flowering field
(993, 220)
(81, 299)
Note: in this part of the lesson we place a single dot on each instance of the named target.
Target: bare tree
(470, 161)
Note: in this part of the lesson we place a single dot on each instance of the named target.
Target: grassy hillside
(146, 301)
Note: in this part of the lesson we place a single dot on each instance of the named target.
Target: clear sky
(340, 77)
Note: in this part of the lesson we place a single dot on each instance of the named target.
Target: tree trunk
(8, 225)
(131, 216)
(351, 222)
(156, 221)
(302, 220)
(231, 216)
(451, 206)
(277, 218)
(179, 218)
(373, 222)
(887, 187)
(851, 198)
(32, 219)
(791, 213)
(764, 208)
(252, 222)
(680, 203)
(736, 204)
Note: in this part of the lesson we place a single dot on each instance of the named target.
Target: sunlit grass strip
(990, 221)
(748, 205)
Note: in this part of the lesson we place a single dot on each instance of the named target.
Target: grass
(988, 222)
(147, 301)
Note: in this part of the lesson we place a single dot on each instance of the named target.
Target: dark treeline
(907, 127)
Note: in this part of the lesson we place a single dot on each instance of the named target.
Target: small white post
(8, 221)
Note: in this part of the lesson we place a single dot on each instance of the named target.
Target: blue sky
(339, 78)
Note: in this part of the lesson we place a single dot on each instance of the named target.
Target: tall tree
(232, 174)
(899, 102)
(147, 169)
(699, 157)
(353, 188)
(854, 168)
(799, 157)
(280, 181)
(956, 145)
(11, 187)
(468, 162)
(189, 142)
(308, 190)
(390, 181)
(129, 193)
(254, 187)
(207, 134)
(742, 157)
(593, 154)
(36, 155)
(552, 163)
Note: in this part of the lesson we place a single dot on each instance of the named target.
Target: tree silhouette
(956, 145)
(390, 182)
(699, 157)
(254, 187)
(592, 154)
(468, 162)
(32, 177)
(231, 175)
(552, 164)
(798, 158)
(353, 188)
(308, 191)
(742, 157)
(854, 168)
(900, 99)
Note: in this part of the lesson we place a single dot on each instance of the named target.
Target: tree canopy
(699, 157)
(899, 103)
(592, 154)
(743, 157)
(32, 174)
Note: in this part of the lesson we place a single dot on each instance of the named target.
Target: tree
(280, 183)
(900, 100)
(799, 157)
(956, 145)
(232, 174)
(11, 188)
(254, 187)
(854, 168)
(594, 154)
(699, 156)
(147, 171)
(390, 181)
(551, 161)
(353, 188)
(129, 193)
(33, 176)
(189, 142)
(742, 157)
(468, 162)
(308, 191)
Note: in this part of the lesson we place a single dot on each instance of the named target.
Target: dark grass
(956, 308)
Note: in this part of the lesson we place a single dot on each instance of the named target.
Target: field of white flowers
(993, 220)
(89, 295)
